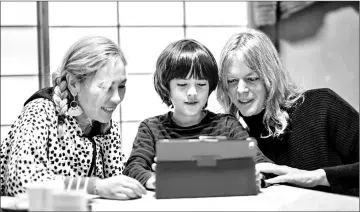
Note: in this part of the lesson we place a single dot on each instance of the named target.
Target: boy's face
(188, 97)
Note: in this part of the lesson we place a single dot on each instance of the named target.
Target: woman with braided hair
(66, 132)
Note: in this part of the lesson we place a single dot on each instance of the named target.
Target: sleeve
(25, 148)
(24, 153)
(142, 155)
(239, 132)
(113, 156)
(343, 130)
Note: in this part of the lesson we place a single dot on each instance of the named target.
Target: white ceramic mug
(39, 194)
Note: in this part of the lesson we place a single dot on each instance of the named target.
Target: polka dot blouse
(33, 150)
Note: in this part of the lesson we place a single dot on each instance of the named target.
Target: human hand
(153, 166)
(120, 187)
(258, 177)
(150, 184)
(294, 176)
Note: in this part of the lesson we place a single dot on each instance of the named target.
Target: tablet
(205, 167)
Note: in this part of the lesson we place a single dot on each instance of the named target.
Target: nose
(242, 87)
(192, 91)
(116, 97)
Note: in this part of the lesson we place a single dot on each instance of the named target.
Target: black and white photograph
(179, 106)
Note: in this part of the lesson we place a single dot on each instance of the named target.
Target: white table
(274, 198)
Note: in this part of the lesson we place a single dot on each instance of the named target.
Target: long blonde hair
(259, 54)
(83, 59)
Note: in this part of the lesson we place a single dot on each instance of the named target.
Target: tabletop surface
(274, 198)
(278, 197)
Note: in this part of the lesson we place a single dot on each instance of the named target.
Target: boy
(185, 76)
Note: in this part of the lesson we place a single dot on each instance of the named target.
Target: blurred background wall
(319, 46)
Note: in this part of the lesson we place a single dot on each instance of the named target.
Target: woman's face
(100, 96)
(246, 90)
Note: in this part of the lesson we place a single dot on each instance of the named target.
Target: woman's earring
(75, 109)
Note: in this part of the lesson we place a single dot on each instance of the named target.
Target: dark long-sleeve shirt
(153, 129)
(323, 134)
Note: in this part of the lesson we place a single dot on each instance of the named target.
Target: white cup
(39, 194)
(69, 201)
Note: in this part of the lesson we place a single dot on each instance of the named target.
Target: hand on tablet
(294, 176)
(153, 166)
(258, 177)
(150, 184)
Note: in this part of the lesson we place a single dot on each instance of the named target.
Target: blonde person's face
(246, 90)
(100, 96)
(188, 96)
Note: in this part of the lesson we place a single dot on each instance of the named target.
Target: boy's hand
(153, 166)
(150, 184)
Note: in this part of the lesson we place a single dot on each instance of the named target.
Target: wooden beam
(43, 43)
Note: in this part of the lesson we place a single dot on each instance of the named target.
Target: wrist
(90, 185)
(150, 183)
(321, 177)
(98, 186)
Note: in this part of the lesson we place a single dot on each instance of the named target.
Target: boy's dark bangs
(190, 64)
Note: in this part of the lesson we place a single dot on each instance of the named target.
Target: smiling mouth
(108, 109)
(245, 101)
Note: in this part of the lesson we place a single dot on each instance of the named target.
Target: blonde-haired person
(312, 136)
(66, 132)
